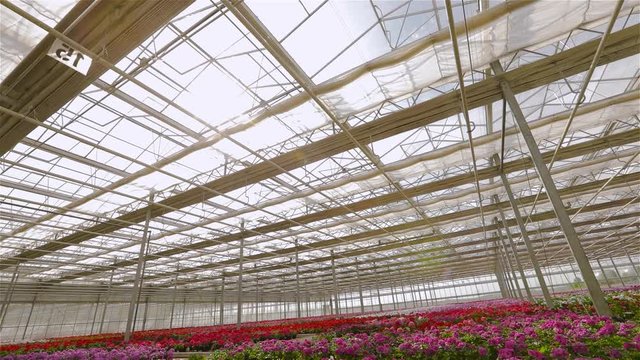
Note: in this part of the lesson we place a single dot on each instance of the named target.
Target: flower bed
(504, 329)
(134, 352)
(549, 334)
(624, 303)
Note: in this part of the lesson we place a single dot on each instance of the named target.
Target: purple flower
(559, 353)
(580, 348)
(536, 354)
(505, 353)
(615, 354)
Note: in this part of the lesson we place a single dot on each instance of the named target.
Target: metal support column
(137, 282)
(298, 308)
(175, 293)
(604, 273)
(95, 315)
(633, 266)
(432, 289)
(415, 300)
(106, 301)
(502, 262)
(426, 294)
(404, 296)
(307, 299)
(575, 273)
(514, 249)
(331, 307)
(184, 311)
(580, 256)
(505, 273)
(525, 236)
(240, 268)
(514, 278)
(359, 287)
(222, 301)
(393, 296)
(9, 295)
(453, 286)
(375, 271)
(26, 326)
(335, 284)
(146, 311)
(616, 269)
(213, 305)
(504, 291)
(257, 291)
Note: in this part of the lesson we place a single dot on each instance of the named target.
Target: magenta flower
(580, 348)
(482, 351)
(559, 353)
(615, 354)
(506, 353)
(536, 354)
(607, 329)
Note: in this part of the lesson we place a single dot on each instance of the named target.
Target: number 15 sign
(69, 56)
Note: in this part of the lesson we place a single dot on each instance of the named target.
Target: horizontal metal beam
(457, 180)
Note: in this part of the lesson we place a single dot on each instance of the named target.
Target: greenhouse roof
(251, 139)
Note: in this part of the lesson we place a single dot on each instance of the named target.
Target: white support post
(375, 271)
(597, 296)
(222, 302)
(633, 266)
(240, 270)
(26, 326)
(137, 282)
(604, 273)
(335, 284)
(95, 315)
(146, 311)
(175, 293)
(106, 301)
(426, 294)
(505, 271)
(257, 291)
(298, 308)
(514, 250)
(616, 269)
(499, 271)
(359, 287)
(9, 295)
(509, 265)
(213, 305)
(184, 311)
(525, 236)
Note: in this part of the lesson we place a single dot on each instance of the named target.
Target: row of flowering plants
(133, 352)
(504, 329)
(546, 334)
(214, 337)
(624, 302)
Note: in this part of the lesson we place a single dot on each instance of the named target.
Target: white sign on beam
(69, 56)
